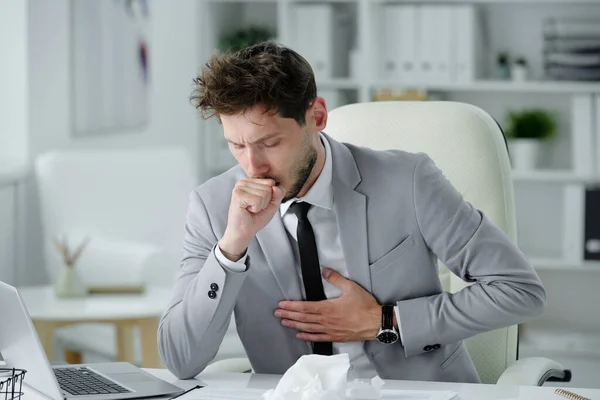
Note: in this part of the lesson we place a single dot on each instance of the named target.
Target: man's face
(268, 146)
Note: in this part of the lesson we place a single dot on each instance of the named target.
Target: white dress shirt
(329, 248)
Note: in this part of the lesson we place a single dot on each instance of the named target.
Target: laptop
(21, 348)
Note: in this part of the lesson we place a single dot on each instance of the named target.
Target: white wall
(13, 83)
(173, 121)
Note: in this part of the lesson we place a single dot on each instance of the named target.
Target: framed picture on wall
(109, 66)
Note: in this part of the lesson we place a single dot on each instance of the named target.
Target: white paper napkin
(316, 377)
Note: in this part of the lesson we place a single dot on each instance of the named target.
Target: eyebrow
(264, 138)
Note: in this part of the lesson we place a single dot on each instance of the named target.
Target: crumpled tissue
(317, 377)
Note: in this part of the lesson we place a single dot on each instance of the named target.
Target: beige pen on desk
(570, 395)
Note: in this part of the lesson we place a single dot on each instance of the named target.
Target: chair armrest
(534, 371)
(229, 365)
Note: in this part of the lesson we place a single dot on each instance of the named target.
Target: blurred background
(100, 147)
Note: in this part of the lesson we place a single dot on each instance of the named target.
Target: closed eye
(272, 144)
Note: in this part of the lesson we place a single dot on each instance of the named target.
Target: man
(322, 247)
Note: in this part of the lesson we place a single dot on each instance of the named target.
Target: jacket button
(212, 294)
(428, 348)
(436, 346)
(214, 287)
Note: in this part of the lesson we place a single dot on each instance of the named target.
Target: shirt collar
(321, 192)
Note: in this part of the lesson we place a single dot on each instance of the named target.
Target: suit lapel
(351, 214)
(276, 246)
(351, 209)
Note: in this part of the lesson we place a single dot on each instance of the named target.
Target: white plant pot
(519, 73)
(524, 153)
(69, 284)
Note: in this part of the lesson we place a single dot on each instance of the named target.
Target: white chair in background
(127, 202)
(469, 147)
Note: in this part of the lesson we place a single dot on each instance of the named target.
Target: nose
(257, 166)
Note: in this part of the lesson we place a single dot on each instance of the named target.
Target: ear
(318, 113)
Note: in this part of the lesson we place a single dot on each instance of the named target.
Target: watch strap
(387, 317)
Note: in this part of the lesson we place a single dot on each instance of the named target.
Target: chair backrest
(469, 147)
(134, 195)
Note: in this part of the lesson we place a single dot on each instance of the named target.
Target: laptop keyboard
(81, 381)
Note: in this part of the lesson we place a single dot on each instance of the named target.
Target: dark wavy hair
(265, 74)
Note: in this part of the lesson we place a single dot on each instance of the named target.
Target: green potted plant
(526, 130)
(244, 37)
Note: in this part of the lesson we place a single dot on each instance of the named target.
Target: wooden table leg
(149, 339)
(125, 342)
(45, 331)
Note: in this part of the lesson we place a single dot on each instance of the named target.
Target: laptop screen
(20, 345)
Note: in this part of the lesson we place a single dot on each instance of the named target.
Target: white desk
(466, 391)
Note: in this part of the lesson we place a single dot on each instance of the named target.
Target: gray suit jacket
(397, 214)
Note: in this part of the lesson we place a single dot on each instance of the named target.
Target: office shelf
(550, 264)
(242, 1)
(322, 1)
(511, 2)
(339, 83)
(555, 176)
(508, 2)
(556, 87)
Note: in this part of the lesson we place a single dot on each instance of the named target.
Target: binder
(596, 135)
(398, 45)
(591, 249)
(573, 28)
(427, 47)
(582, 134)
(435, 49)
(573, 223)
(315, 43)
(468, 43)
(322, 35)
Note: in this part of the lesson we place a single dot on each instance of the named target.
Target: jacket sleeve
(197, 317)
(506, 290)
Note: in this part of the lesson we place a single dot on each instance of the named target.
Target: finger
(278, 195)
(311, 307)
(251, 202)
(301, 326)
(315, 337)
(256, 191)
(259, 182)
(264, 184)
(274, 201)
(265, 196)
(298, 316)
(337, 279)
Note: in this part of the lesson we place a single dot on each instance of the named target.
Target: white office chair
(133, 197)
(469, 147)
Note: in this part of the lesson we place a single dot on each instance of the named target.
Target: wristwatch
(387, 333)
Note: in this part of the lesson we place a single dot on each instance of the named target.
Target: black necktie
(311, 269)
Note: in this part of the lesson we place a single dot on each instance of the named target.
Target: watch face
(387, 336)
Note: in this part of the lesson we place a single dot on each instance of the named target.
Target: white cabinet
(7, 234)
